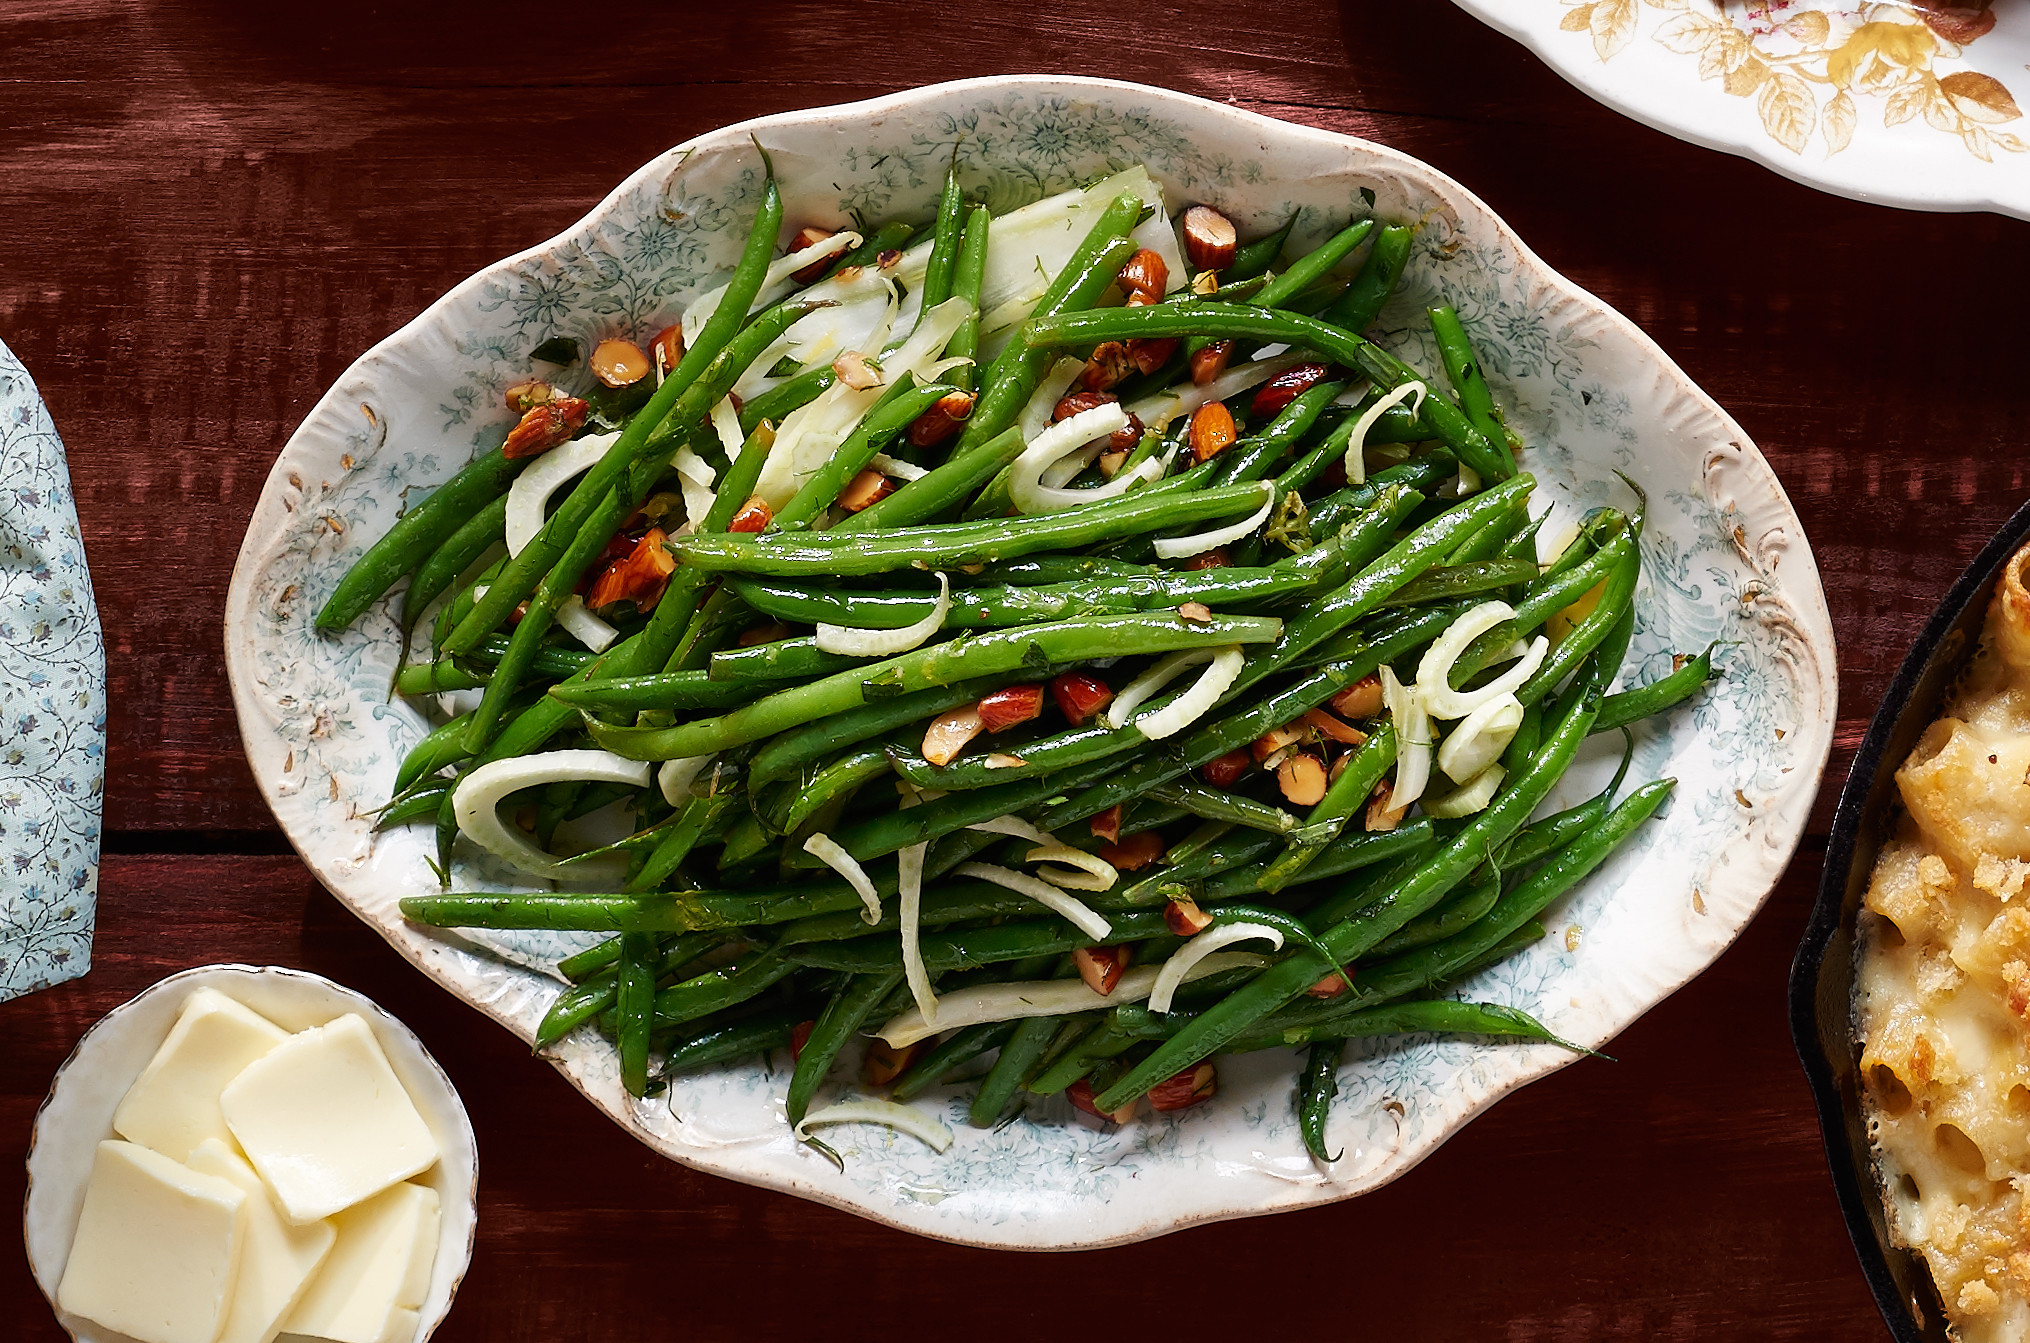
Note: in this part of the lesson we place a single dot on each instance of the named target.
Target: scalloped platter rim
(1725, 559)
(1897, 104)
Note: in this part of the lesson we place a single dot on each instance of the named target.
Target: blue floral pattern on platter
(1588, 391)
(52, 704)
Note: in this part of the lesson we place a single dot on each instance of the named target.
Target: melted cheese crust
(1942, 993)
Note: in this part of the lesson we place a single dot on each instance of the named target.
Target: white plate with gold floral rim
(1915, 104)
(1592, 395)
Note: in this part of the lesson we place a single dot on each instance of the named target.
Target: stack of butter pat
(260, 1187)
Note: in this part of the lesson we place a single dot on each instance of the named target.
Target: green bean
(1453, 581)
(783, 398)
(784, 660)
(852, 770)
(414, 807)
(1356, 309)
(455, 610)
(1667, 692)
(891, 831)
(713, 990)
(845, 1014)
(939, 271)
(1349, 853)
(1431, 1016)
(1455, 351)
(970, 948)
(789, 751)
(1313, 265)
(946, 902)
(1347, 940)
(881, 426)
(720, 335)
(1233, 321)
(844, 555)
(636, 1006)
(941, 489)
(1092, 266)
(1019, 1056)
(1315, 1091)
(1616, 602)
(1423, 474)
(958, 1048)
(1188, 868)
(1079, 1059)
(1254, 258)
(439, 748)
(993, 606)
(1543, 598)
(967, 281)
(473, 538)
(760, 1034)
(936, 665)
(639, 912)
(599, 989)
(1372, 759)
(698, 818)
(1251, 458)
(682, 690)
(1020, 759)
(1457, 912)
(1213, 805)
(415, 535)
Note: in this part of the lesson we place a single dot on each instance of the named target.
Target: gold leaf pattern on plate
(1807, 62)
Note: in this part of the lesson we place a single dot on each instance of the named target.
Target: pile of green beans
(1271, 811)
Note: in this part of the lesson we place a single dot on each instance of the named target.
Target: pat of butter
(278, 1259)
(378, 1271)
(325, 1120)
(158, 1247)
(174, 1105)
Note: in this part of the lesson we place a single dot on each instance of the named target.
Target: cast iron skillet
(1822, 977)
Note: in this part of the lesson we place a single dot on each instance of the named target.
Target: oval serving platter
(1917, 103)
(1726, 560)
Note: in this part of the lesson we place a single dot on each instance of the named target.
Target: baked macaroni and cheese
(1942, 998)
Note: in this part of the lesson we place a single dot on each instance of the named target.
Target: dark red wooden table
(208, 210)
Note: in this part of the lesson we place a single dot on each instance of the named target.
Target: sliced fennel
(1074, 911)
(854, 642)
(1479, 739)
(1356, 447)
(1179, 547)
(889, 1114)
(1171, 974)
(476, 801)
(829, 852)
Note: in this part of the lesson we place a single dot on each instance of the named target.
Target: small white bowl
(78, 1115)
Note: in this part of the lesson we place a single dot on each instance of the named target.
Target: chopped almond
(888, 258)
(754, 516)
(1302, 779)
(667, 349)
(1205, 284)
(1331, 727)
(1185, 918)
(1286, 387)
(1380, 816)
(1106, 368)
(798, 1035)
(1212, 430)
(1329, 987)
(619, 363)
(640, 577)
(1362, 699)
(545, 426)
(942, 420)
(1009, 706)
(1184, 1090)
(1149, 353)
(1211, 361)
(857, 371)
(1145, 276)
(1195, 613)
(1102, 967)
(1209, 559)
(1079, 696)
(1110, 463)
(1080, 1094)
(1078, 403)
(1135, 852)
(865, 489)
(1276, 739)
(1225, 771)
(885, 1063)
(949, 732)
(1210, 239)
(526, 395)
(1107, 824)
(810, 235)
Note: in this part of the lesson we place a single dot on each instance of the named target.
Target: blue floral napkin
(52, 705)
